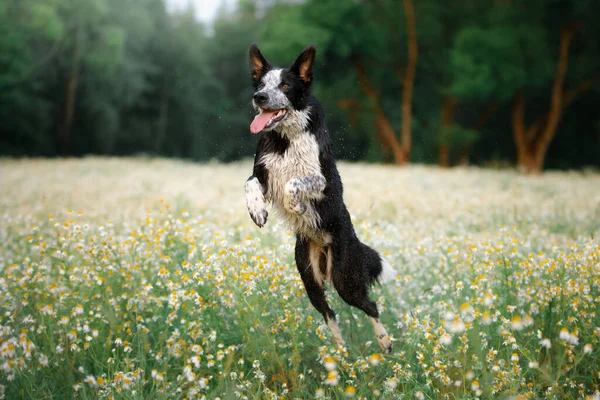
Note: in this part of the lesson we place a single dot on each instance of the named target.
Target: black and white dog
(294, 169)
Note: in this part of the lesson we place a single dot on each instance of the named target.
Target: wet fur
(296, 171)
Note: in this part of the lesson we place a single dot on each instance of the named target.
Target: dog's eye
(285, 86)
(261, 85)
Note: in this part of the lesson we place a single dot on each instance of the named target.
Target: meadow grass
(146, 279)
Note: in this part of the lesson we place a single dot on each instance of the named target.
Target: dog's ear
(258, 63)
(303, 64)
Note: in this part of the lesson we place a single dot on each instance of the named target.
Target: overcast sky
(205, 9)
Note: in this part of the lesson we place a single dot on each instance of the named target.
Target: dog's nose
(260, 98)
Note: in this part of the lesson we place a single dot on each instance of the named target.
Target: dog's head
(279, 92)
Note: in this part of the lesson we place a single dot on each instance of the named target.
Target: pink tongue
(260, 121)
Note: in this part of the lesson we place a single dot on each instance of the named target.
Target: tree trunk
(409, 78)
(555, 112)
(532, 143)
(444, 156)
(448, 109)
(385, 131)
(71, 95)
(519, 134)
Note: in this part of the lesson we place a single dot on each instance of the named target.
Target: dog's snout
(260, 98)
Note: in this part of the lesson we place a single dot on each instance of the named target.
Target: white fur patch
(335, 331)
(277, 98)
(272, 79)
(255, 201)
(299, 160)
(388, 273)
(314, 258)
(295, 123)
(329, 262)
(381, 335)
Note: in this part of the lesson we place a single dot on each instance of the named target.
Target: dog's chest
(301, 158)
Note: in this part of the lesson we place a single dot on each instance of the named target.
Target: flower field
(146, 279)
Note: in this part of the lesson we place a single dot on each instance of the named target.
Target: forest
(447, 82)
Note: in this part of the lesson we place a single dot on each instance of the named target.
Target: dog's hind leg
(383, 339)
(306, 256)
(360, 300)
(353, 289)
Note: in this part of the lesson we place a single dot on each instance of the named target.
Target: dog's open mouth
(266, 119)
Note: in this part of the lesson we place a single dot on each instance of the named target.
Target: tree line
(437, 81)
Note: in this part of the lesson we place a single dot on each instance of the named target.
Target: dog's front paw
(259, 216)
(255, 202)
(292, 201)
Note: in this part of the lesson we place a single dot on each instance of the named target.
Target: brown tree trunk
(408, 81)
(385, 131)
(444, 156)
(448, 109)
(384, 127)
(71, 95)
(532, 143)
(556, 106)
(519, 133)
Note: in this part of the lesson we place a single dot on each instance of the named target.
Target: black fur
(269, 142)
(258, 64)
(355, 265)
(299, 92)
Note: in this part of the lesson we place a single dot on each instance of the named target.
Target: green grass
(131, 279)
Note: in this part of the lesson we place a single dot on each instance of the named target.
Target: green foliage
(287, 21)
(109, 48)
(149, 81)
(496, 60)
(44, 20)
(457, 136)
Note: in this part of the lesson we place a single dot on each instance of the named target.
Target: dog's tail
(379, 269)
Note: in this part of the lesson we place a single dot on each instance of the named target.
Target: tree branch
(385, 131)
(409, 78)
(364, 82)
(567, 98)
(556, 104)
(570, 95)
